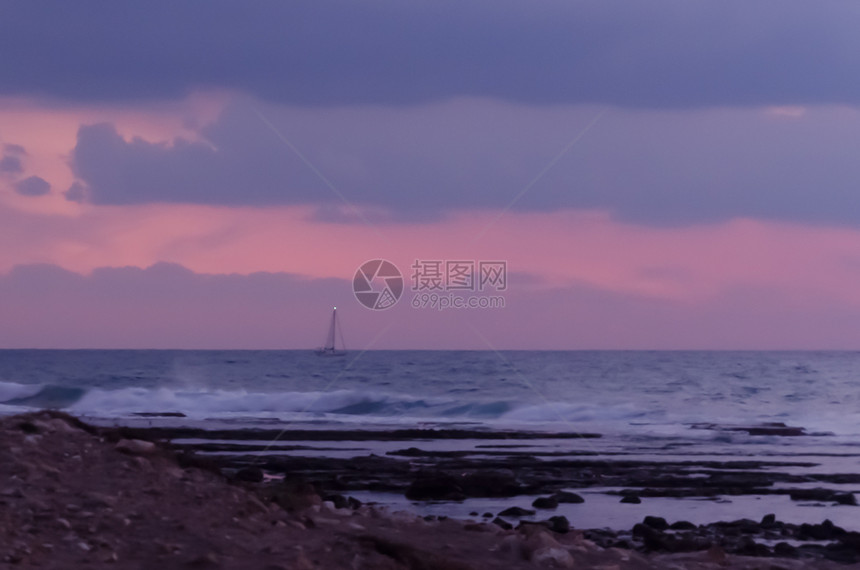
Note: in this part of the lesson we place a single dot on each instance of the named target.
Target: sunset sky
(657, 175)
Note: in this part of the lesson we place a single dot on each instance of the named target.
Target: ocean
(646, 393)
(648, 406)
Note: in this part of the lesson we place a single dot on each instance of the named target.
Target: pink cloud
(592, 281)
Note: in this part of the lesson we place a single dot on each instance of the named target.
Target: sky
(212, 174)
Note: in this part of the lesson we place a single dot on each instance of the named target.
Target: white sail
(330, 347)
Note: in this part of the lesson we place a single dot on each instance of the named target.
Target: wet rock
(485, 483)
(249, 475)
(631, 499)
(545, 503)
(845, 499)
(824, 531)
(748, 547)
(516, 512)
(785, 550)
(819, 494)
(768, 521)
(502, 523)
(768, 428)
(341, 502)
(658, 523)
(559, 524)
(652, 539)
(682, 525)
(435, 487)
(568, 497)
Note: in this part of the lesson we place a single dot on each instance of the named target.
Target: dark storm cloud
(663, 53)
(242, 163)
(417, 163)
(11, 165)
(32, 186)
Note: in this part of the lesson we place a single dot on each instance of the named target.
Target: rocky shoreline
(77, 496)
(498, 470)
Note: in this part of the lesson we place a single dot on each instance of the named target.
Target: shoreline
(315, 495)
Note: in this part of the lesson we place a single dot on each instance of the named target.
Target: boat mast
(330, 343)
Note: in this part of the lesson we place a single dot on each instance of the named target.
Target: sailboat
(330, 348)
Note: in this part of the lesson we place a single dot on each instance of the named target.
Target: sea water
(649, 406)
(636, 393)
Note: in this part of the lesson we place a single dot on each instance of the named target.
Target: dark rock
(832, 528)
(487, 483)
(652, 539)
(559, 524)
(28, 427)
(770, 428)
(683, 525)
(339, 501)
(568, 497)
(473, 514)
(851, 540)
(768, 521)
(435, 487)
(688, 543)
(502, 523)
(819, 494)
(249, 475)
(487, 515)
(632, 499)
(737, 528)
(658, 523)
(516, 512)
(748, 547)
(839, 553)
(545, 503)
(845, 499)
(785, 550)
(602, 537)
(824, 531)
(295, 495)
(783, 430)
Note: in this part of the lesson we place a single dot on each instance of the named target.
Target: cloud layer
(661, 53)
(651, 167)
(168, 306)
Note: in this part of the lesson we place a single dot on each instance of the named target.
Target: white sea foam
(11, 390)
